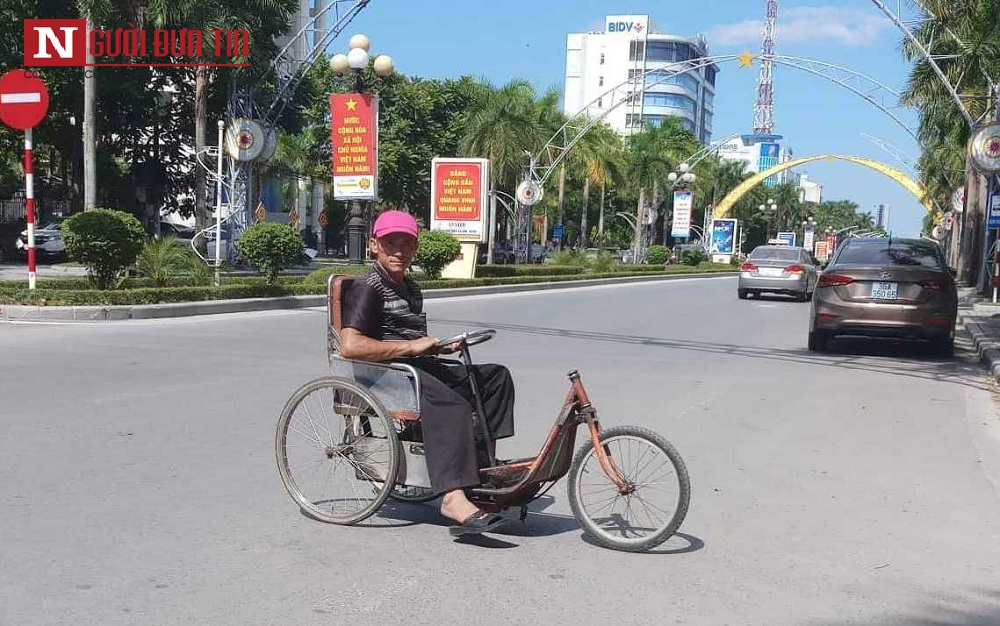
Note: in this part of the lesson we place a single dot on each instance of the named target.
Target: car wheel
(809, 296)
(943, 347)
(742, 293)
(818, 340)
(802, 296)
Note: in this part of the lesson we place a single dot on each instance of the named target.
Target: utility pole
(562, 188)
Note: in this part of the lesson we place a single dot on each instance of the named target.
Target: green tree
(263, 19)
(964, 39)
(436, 249)
(599, 155)
(270, 247)
(650, 155)
(104, 240)
(502, 123)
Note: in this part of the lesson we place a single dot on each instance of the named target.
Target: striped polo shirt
(380, 308)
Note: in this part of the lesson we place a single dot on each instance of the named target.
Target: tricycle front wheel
(649, 506)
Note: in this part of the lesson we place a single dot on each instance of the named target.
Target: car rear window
(903, 254)
(775, 254)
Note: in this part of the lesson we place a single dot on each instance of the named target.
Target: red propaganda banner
(459, 190)
(354, 141)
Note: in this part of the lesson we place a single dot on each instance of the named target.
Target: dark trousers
(450, 436)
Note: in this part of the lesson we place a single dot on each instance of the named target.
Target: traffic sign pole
(29, 203)
(24, 101)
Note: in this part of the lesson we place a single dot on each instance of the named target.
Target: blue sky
(520, 39)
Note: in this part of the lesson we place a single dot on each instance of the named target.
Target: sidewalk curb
(115, 313)
(986, 347)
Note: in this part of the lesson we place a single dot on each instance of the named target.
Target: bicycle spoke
(665, 462)
(666, 514)
(305, 435)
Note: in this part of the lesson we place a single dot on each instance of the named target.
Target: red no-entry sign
(24, 100)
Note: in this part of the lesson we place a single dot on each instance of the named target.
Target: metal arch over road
(932, 59)
(876, 93)
(555, 150)
(740, 190)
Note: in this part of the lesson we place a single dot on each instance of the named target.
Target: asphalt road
(857, 487)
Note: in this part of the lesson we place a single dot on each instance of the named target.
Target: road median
(107, 312)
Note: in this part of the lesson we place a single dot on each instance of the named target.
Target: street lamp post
(354, 63)
(498, 196)
(808, 224)
(682, 178)
(770, 209)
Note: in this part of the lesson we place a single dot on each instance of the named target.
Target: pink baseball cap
(395, 222)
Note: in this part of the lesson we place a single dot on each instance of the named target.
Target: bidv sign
(626, 24)
(66, 43)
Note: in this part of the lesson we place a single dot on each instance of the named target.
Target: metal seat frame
(337, 287)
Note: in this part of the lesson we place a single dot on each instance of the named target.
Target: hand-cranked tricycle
(347, 442)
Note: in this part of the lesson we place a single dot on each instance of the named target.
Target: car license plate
(770, 271)
(884, 291)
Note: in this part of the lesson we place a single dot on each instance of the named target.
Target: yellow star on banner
(747, 59)
(352, 104)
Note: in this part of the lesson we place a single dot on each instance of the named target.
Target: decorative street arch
(545, 162)
(542, 164)
(740, 190)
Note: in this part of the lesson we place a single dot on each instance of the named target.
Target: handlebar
(469, 337)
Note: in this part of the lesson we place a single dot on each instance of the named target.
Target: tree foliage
(435, 250)
(657, 255)
(270, 247)
(963, 37)
(105, 241)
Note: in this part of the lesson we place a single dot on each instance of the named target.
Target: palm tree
(501, 125)
(716, 178)
(650, 155)
(294, 161)
(966, 45)
(598, 154)
(506, 124)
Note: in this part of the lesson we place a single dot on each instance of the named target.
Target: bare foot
(456, 506)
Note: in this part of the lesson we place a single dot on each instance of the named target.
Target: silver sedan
(778, 269)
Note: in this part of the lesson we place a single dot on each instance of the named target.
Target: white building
(759, 152)
(630, 47)
(312, 33)
(810, 190)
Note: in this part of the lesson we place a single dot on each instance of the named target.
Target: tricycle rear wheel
(335, 447)
(654, 502)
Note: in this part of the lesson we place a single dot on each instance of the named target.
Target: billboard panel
(723, 239)
(459, 196)
(354, 146)
(681, 224)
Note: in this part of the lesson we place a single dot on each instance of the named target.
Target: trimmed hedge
(47, 296)
(83, 284)
(520, 280)
(491, 271)
(320, 276)
(143, 295)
